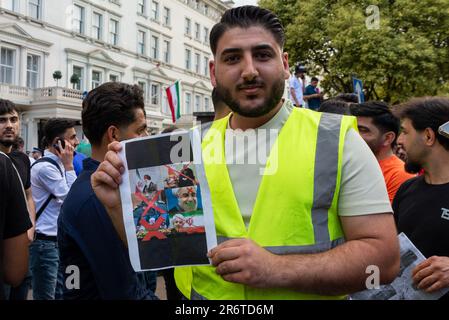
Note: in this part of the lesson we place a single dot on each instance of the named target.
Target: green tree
(406, 56)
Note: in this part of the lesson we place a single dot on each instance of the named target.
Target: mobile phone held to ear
(444, 130)
(56, 145)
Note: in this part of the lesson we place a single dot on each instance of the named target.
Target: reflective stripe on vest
(325, 175)
(295, 211)
(314, 248)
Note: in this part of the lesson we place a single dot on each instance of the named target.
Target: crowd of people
(350, 177)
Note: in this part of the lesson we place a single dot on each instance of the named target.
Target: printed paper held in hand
(402, 288)
(166, 202)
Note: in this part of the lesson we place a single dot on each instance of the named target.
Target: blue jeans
(44, 265)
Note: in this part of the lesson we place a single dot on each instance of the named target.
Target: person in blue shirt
(312, 94)
(78, 159)
(86, 236)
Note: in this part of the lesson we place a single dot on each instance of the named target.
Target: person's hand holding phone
(64, 150)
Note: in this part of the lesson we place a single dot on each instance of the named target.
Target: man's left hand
(432, 274)
(243, 261)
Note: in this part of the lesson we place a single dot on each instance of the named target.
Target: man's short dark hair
(111, 104)
(245, 17)
(348, 97)
(314, 79)
(426, 112)
(7, 106)
(335, 106)
(382, 116)
(56, 128)
(170, 129)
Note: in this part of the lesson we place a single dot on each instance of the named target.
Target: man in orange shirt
(380, 128)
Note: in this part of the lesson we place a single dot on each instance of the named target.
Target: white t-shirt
(362, 189)
(296, 84)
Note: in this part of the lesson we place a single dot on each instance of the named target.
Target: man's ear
(389, 138)
(113, 134)
(429, 137)
(285, 65)
(213, 80)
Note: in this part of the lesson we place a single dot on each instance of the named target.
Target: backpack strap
(51, 196)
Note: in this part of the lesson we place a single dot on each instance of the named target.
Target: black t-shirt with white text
(421, 211)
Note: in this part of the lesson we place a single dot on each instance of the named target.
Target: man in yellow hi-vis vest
(305, 222)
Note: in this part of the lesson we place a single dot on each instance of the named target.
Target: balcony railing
(24, 95)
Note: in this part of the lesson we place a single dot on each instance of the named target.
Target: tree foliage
(406, 56)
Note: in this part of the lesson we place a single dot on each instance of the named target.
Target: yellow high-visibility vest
(295, 211)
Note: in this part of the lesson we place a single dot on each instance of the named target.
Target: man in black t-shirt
(14, 222)
(9, 130)
(421, 205)
(9, 133)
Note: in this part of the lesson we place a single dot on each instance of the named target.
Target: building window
(7, 65)
(167, 18)
(10, 4)
(96, 79)
(32, 71)
(197, 62)
(166, 51)
(79, 72)
(197, 103)
(188, 26)
(206, 104)
(141, 7)
(143, 86)
(78, 19)
(155, 92)
(206, 66)
(113, 31)
(206, 35)
(188, 59)
(97, 25)
(165, 105)
(34, 7)
(154, 47)
(206, 9)
(113, 78)
(188, 103)
(155, 11)
(197, 31)
(141, 42)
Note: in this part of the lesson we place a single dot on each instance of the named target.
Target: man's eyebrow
(231, 50)
(262, 47)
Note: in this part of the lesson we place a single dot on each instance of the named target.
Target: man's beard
(7, 143)
(268, 104)
(412, 167)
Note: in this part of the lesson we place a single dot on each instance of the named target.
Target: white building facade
(152, 43)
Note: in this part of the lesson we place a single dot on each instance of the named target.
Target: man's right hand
(106, 180)
(66, 154)
(105, 183)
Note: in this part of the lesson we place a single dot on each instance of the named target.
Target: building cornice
(97, 54)
(14, 30)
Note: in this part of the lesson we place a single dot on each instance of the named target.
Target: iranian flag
(174, 101)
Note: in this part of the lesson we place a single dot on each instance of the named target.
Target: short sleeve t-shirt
(313, 103)
(362, 188)
(421, 211)
(22, 163)
(394, 174)
(14, 218)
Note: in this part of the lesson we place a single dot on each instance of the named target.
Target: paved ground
(160, 290)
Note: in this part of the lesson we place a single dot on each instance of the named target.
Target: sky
(244, 2)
